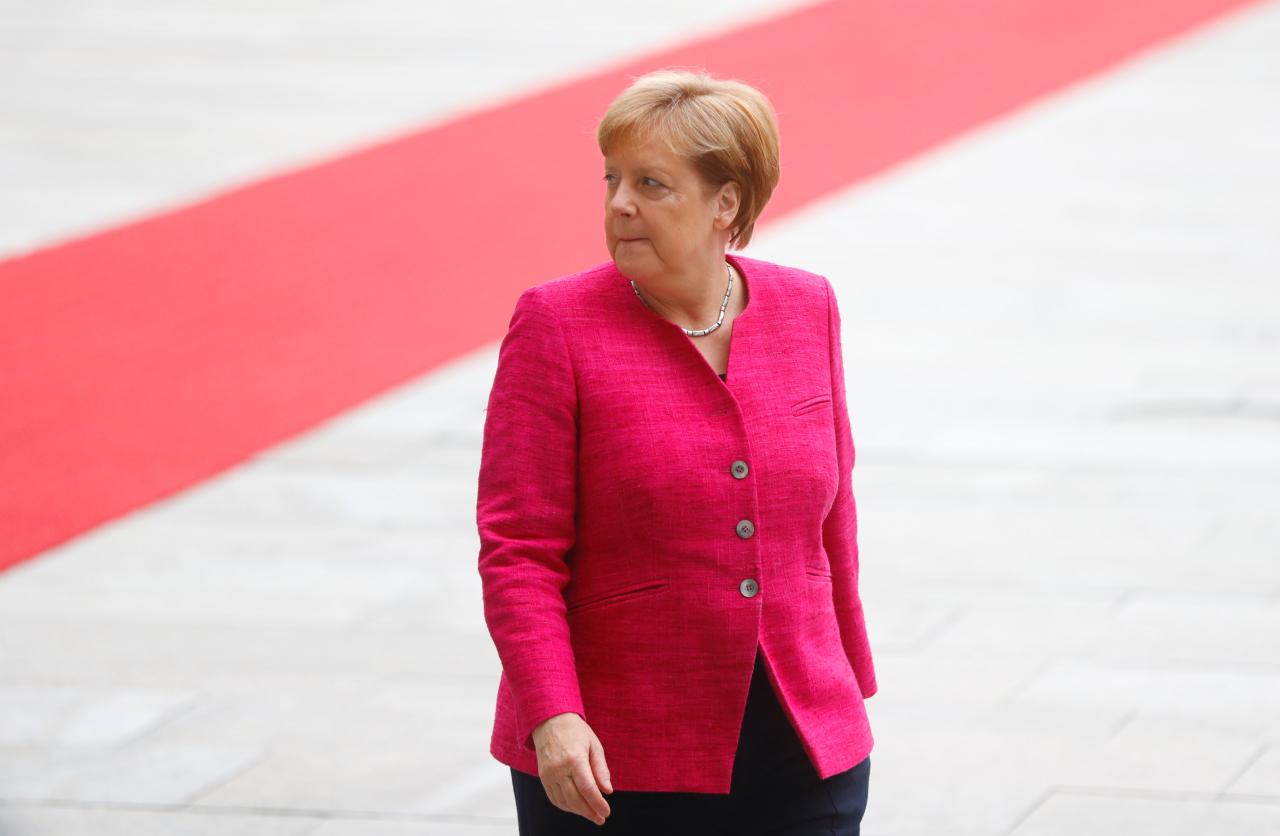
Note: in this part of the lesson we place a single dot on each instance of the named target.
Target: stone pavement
(1063, 349)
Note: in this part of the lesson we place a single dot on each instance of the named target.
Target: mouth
(629, 240)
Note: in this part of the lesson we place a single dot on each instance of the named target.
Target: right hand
(571, 766)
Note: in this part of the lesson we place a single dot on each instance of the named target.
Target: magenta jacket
(645, 525)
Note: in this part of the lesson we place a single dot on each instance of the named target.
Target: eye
(608, 178)
(650, 181)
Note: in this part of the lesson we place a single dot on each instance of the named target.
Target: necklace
(702, 332)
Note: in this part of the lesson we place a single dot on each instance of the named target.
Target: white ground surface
(1063, 343)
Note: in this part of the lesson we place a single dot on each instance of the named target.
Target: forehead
(650, 152)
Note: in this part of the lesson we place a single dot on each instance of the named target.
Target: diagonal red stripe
(141, 360)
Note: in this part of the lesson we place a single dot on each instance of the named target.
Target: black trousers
(775, 791)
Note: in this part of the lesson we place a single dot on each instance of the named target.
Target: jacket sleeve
(840, 528)
(525, 506)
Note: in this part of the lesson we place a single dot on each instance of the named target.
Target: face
(660, 218)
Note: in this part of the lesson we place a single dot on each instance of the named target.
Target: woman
(668, 534)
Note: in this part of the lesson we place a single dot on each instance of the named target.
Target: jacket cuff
(538, 717)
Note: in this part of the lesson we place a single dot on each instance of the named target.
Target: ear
(727, 201)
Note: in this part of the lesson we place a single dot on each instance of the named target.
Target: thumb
(599, 767)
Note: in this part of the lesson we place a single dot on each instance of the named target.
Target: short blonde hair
(726, 128)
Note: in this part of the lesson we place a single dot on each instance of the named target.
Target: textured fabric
(775, 791)
(615, 538)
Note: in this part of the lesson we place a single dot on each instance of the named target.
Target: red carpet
(141, 360)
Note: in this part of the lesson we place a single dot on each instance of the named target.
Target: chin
(629, 265)
(631, 272)
(625, 270)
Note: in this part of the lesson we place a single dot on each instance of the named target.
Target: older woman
(668, 536)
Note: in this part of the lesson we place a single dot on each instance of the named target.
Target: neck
(692, 302)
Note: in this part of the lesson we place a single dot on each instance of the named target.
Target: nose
(620, 203)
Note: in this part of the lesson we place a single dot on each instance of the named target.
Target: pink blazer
(645, 525)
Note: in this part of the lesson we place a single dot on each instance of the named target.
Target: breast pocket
(811, 404)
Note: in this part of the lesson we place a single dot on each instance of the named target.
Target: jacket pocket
(810, 404)
(616, 596)
(818, 575)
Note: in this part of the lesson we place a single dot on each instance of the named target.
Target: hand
(571, 764)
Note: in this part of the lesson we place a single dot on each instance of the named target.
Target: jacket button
(749, 588)
(739, 469)
(746, 528)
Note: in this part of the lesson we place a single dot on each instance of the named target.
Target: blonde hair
(726, 128)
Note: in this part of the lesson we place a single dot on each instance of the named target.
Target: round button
(746, 528)
(739, 469)
(749, 588)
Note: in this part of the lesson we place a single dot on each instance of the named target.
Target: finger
(578, 804)
(600, 768)
(586, 784)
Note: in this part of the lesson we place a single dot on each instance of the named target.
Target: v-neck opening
(753, 302)
(750, 288)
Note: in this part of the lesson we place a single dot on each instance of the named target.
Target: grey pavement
(1063, 351)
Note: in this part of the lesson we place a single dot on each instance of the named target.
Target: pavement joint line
(1194, 667)
(1246, 766)
(1044, 667)
(1039, 801)
(188, 706)
(223, 780)
(1097, 465)
(1127, 598)
(1212, 408)
(275, 812)
(1128, 718)
(1165, 795)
